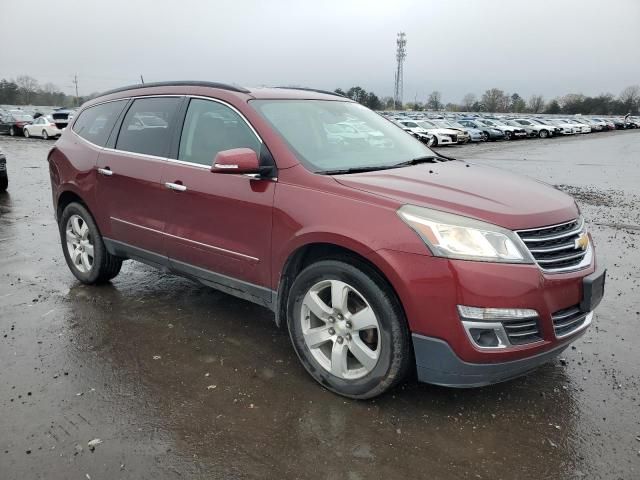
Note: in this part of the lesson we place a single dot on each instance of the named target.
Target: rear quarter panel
(72, 169)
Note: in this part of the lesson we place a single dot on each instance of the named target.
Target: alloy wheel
(340, 329)
(79, 243)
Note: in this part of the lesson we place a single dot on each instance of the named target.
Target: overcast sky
(547, 47)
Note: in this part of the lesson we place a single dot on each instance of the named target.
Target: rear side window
(95, 123)
(211, 127)
(147, 126)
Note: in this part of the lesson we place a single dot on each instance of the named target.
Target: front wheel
(348, 329)
(433, 141)
(26, 133)
(544, 134)
(507, 135)
(12, 131)
(45, 135)
(84, 250)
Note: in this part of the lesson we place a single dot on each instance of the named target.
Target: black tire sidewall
(390, 329)
(99, 250)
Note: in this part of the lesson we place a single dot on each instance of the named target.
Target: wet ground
(180, 381)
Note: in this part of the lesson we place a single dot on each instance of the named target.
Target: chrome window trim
(137, 154)
(213, 247)
(226, 104)
(173, 160)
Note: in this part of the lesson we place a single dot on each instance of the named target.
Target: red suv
(379, 255)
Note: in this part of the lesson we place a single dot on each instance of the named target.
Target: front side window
(147, 126)
(211, 127)
(315, 131)
(95, 123)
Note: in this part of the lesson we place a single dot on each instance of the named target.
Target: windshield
(334, 135)
(427, 125)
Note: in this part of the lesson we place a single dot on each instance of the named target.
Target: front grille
(568, 321)
(555, 248)
(454, 138)
(522, 331)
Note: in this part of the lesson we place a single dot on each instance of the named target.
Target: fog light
(484, 337)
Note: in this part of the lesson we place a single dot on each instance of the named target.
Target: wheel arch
(305, 255)
(65, 198)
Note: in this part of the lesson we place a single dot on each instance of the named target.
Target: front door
(129, 178)
(218, 226)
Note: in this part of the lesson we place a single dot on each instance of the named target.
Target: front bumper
(430, 288)
(438, 364)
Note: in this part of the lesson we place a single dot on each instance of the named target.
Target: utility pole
(75, 82)
(141, 79)
(401, 54)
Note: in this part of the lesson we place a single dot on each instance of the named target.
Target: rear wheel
(45, 135)
(12, 131)
(543, 134)
(4, 183)
(348, 328)
(84, 250)
(26, 133)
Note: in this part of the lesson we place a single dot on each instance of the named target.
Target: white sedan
(42, 127)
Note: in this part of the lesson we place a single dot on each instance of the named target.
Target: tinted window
(95, 123)
(211, 127)
(147, 126)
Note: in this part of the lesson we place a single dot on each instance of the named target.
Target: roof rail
(326, 92)
(178, 83)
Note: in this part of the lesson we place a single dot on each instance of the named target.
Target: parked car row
(452, 129)
(15, 122)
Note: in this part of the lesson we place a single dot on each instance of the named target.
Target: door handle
(105, 171)
(176, 186)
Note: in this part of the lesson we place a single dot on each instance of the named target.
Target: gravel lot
(180, 381)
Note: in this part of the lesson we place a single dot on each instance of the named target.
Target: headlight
(454, 236)
(495, 130)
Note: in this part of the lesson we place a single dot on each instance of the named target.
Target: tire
(486, 134)
(434, 141)
(543, 134)
(12, 131)
(4, 183)
(508, 135)
(26, 133)
(90, 270)
(389, 353)
(45, 135)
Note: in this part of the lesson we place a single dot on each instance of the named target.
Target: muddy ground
(180, 381)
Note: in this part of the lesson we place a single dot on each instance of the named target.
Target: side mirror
(236, 160)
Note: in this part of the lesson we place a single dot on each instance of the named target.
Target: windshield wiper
(355, 170)
(425, 159)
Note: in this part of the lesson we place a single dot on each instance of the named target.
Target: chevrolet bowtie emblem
(582, 242)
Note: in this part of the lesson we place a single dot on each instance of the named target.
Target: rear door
(218, 225)
(129, 187)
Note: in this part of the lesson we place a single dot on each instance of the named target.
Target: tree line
(495, 100)
(26, 90)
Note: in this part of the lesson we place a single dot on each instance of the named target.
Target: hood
(443, 131)
(485, 193)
